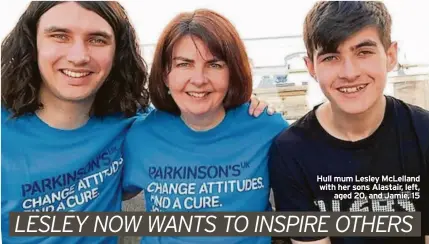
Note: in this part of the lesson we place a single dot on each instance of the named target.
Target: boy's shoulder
(298, 131)
(417, 112)
(419, 119)
(418, 115)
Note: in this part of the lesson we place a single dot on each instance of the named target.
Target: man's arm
(290, 190)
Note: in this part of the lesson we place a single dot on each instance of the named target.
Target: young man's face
(75, 50)
(353, 78)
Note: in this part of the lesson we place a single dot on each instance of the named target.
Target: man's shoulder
(8, 118)
(5, 115)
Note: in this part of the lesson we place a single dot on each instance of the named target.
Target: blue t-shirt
(47, 169)
(222, 169)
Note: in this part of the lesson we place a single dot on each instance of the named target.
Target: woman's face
(198, 81)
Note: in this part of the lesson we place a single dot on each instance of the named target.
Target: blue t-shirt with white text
(46, 169)
(181, 170)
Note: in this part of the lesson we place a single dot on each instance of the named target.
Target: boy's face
(75, 49)
(353, 78)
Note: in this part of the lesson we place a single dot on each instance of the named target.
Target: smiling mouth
(198, 94)
(74, 74)
(354, 89)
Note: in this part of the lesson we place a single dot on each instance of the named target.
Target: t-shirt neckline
(361, 144)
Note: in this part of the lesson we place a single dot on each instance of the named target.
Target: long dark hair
(124, 90)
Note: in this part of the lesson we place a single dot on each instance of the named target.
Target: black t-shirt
(305, 153)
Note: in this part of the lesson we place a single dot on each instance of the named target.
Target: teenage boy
(358, 132)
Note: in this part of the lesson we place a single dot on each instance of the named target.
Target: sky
(256, 19)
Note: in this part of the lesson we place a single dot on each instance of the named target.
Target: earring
(169, 92)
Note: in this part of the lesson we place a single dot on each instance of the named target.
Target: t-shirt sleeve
(131, 178)
(288, 185)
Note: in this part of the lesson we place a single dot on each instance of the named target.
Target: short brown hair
(329, 23)
(222, 40)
